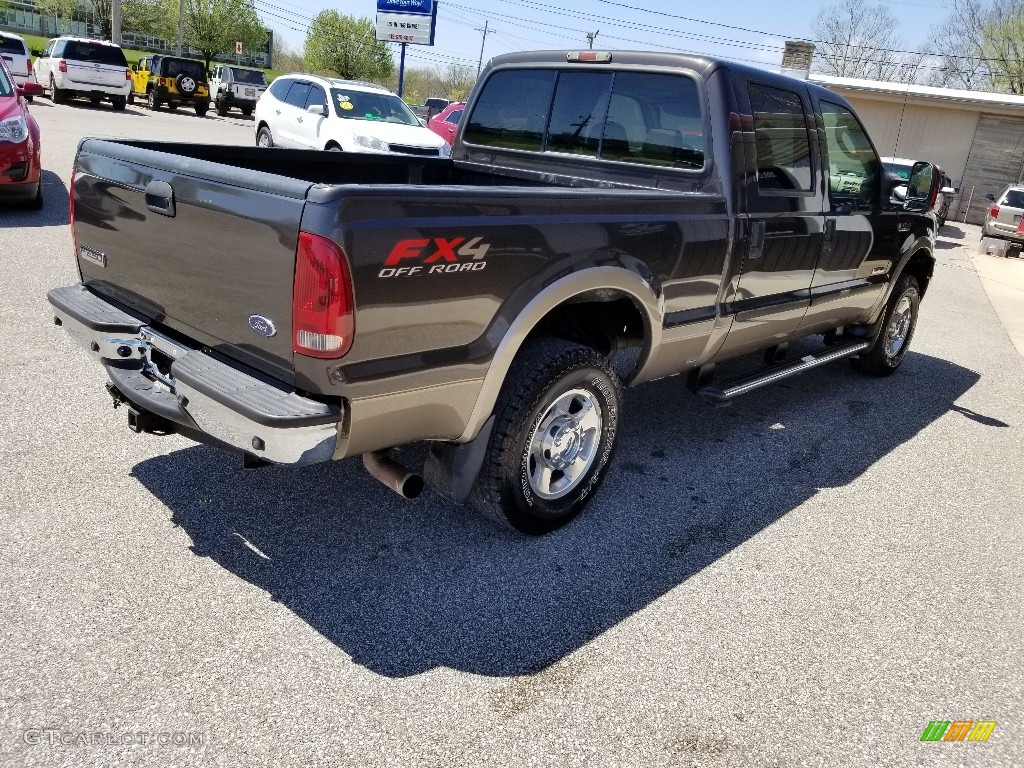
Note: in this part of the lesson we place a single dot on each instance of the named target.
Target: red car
(445, 121)
(20, 167)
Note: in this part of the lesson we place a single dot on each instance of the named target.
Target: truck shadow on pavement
(404, 587)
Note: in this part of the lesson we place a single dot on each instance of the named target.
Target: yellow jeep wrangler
(172, 81)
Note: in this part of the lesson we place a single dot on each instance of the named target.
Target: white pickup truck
(234, 86)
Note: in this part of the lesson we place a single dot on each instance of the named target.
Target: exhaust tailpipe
(398, 478)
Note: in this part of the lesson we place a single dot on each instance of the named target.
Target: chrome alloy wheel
(899, 326)
(564, 444)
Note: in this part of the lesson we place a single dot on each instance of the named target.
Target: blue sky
(746, 30)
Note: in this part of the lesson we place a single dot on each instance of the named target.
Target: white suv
(233, 86)
(77, 66)
(15, 52)
(309, 112)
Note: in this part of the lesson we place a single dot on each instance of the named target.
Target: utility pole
(115, 22)
(485, 32)
(181, 25)
(591, 36)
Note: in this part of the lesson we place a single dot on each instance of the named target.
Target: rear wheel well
(612, 324)
(332, 145)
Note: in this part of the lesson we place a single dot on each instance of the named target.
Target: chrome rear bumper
(193, 389)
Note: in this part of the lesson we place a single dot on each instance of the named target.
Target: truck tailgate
(196, 246)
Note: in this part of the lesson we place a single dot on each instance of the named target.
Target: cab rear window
(628, 117)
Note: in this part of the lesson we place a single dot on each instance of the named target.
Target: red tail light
(993, 212)
(62, 65)
(71, 212)
(323, 322)
(128, 75)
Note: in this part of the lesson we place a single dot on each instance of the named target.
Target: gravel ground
(805, 578)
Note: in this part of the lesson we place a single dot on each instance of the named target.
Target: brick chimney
(796, 59)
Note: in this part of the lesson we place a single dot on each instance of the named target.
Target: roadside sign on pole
(406, 21)
(238, 47)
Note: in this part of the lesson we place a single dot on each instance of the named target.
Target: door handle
(160, 198)
(757, 229)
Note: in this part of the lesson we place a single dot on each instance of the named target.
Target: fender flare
(921, 245)
(649, 303)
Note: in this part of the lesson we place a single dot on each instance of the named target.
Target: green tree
(348, 47)
(60, 10)
(138, 16)
(214, 26)
(981, 45)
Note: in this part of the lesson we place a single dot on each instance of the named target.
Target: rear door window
(297, 95)
(782, 140)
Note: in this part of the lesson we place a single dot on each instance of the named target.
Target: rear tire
(896, 332)
(119, 103)
(131, 97)
(247, 111)
(555, 425)
(56, 94)
(202, 109)
(222, 108)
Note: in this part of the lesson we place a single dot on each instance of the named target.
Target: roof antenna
(591, 36)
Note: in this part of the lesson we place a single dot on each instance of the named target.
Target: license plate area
(250, 91)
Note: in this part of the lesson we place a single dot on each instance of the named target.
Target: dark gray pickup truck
(605, 219)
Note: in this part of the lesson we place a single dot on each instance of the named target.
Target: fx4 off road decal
(435, 256)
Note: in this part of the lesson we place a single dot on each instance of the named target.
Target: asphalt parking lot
(806, 578)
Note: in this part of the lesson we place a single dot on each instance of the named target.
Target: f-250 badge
(435, 256)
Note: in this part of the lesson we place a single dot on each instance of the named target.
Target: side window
(854, 169)
(316, 97)
(453, 116)
(578, 113)
(782, 140)
(512, 110)
(654, 119)
(297, 94)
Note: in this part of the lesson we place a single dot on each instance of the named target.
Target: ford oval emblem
(264, 326)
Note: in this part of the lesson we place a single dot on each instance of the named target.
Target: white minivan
(14, 51)
(310, 112)
(76, 66)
